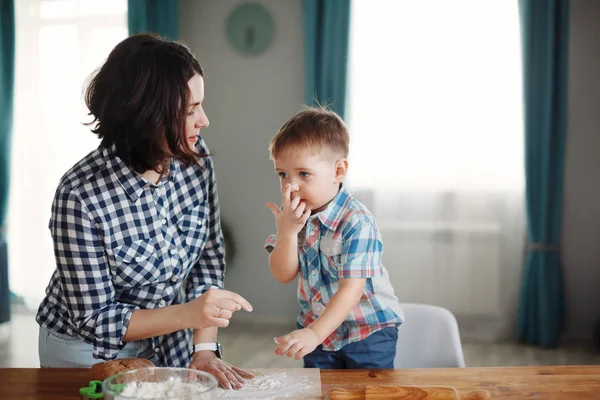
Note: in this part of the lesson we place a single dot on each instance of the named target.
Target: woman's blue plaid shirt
(123, 244)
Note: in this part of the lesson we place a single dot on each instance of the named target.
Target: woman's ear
(341, 168)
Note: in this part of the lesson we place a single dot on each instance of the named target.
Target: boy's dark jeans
(375, 352)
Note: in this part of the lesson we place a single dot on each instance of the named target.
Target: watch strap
(205, 346)
(211, 346)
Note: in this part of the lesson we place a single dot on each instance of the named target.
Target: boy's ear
(341, 168)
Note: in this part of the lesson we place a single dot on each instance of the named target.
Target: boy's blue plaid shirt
(339, 242)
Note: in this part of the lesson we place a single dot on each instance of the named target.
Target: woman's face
(196, 117)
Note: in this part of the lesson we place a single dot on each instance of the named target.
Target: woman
(136, 226)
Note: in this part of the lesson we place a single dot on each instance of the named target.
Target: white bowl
(160, 384)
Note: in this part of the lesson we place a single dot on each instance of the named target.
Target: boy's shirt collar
(331, 216)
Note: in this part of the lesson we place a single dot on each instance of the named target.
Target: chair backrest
(428, 338)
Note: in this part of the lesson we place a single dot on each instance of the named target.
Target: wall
(247, 98)
(581, 213)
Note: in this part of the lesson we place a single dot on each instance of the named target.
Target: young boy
(349, 315)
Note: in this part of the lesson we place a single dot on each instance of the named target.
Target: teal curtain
(544, 26)
(7, 82)
(326, 37)
(157, 16)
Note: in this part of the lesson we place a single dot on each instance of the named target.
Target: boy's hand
(299, 343)
(293, 215)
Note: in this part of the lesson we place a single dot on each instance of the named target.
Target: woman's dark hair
(139, 99)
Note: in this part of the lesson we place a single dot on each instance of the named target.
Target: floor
(251, 346)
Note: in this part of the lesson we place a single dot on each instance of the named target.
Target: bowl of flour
(161, 384)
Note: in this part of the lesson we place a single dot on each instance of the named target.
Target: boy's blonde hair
(315, 128)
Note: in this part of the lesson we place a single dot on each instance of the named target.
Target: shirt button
(312, 233)
(172, 251)
(162, 303)
(174, 279)
(163, 221)
(138, 259)
(157, 350)
(314, 272)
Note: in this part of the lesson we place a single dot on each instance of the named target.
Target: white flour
(268, 387)
(172, 390)
(265, 386)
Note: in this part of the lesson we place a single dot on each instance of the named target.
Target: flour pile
(269, 387)
(172, 390)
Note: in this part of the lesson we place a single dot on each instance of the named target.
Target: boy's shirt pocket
(330, 250)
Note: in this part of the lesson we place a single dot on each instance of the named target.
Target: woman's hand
(229, 376)
(215, 308)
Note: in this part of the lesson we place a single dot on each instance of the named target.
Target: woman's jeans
(57, 350)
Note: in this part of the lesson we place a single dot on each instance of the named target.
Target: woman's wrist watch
(212, 346)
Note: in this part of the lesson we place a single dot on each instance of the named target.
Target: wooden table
(556, 383)
(552, 382)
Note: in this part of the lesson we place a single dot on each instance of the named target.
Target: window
(59, 44)
(435, 95)
(435, 116)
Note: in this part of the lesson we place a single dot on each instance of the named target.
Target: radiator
(456, 266)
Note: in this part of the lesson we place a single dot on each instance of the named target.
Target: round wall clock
(249, 28)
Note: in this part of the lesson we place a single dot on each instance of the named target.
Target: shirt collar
(133, 183)
(331, 216)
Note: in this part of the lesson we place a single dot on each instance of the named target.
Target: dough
(106, 369)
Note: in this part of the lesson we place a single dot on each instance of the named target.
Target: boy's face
(315, 176)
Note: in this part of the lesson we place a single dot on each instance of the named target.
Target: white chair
(428, 338)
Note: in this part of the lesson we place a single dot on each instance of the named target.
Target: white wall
(581, 214)
(247, 98)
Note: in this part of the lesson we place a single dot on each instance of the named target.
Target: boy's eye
(282, 175)
(191, 112)
(304, 174)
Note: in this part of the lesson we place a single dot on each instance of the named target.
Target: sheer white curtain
(435, 114)
(59, 43)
